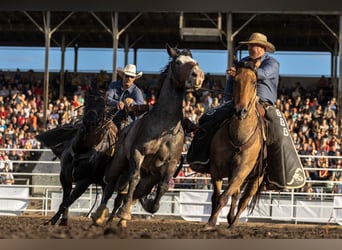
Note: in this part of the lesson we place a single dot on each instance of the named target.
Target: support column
(230, 40)
(126, 48)
(115, 21)
(47, 34)
(76, 57)
(339, 98)
(61, 80)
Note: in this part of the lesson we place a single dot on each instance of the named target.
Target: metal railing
(283, 205)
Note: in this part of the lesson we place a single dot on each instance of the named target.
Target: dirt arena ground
(32, 227)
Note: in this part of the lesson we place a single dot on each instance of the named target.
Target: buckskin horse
(84, 150)
(149, 149)
(237, 150)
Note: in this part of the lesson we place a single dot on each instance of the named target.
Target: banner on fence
(338, 210)
(13, 199)
(196, 206)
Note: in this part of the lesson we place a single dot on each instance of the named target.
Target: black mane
(163, 72)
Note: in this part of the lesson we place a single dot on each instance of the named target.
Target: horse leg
(250, 190)
(102, 212)
(144, 188)
(64, 219)
(231, 214)
(162, 187)
(67, 188)
(117, 203)
(135, 162)
(79, 189)
(233, 187)
(111, 175)
(217, 184)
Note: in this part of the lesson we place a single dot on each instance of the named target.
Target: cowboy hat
(130, 70)
(260, 39)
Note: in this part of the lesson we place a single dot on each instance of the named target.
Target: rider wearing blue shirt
(268, 79)
(285, 169)
(123, 94)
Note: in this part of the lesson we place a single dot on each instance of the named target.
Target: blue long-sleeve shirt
(117, 94)
(267, 82)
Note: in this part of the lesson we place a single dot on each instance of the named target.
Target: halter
(171, 71)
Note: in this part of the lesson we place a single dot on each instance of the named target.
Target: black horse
(149, 149)
(84, 149)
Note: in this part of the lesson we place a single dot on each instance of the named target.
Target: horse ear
(171, 51)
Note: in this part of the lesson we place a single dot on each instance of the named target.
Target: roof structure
(195, 30)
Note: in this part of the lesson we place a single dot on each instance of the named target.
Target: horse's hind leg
(111, 178)
(124, 212)
(117, 203)
(102, 211)
(250, 190)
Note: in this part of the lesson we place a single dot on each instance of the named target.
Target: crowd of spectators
(311, 116)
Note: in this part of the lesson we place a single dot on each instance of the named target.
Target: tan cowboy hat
(260, 39)
(130, 70)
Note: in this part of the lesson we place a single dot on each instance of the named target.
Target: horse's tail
(180, 166)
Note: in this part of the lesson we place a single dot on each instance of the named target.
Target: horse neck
(241, 130)
(170, 100)
(84, 141)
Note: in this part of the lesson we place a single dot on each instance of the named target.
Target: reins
(249, 141)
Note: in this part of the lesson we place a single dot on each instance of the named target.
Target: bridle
(172, 71)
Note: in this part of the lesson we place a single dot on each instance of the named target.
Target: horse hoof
(48, 223)
(124, 215)
(99, 216)
(208, 228)
(122, 223)
(63, 222)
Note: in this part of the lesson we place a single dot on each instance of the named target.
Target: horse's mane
(164, 71)
(246, 64)
(94, 100)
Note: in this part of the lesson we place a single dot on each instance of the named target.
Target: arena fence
(39, 192)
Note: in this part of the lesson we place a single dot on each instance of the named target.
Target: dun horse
(84, 156)
(150, 148)
(236, 150)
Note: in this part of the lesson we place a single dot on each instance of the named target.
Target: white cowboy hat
(130, 70)
(260, 39)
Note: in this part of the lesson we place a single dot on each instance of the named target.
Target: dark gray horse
(149, 149)
(84, 150)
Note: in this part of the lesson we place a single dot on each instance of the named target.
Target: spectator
(6, 175)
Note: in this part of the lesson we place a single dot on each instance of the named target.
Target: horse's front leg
(79, 189)
(217, 184)
(67, 188)
(231, 213)
(250, 190)
(152, 205)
